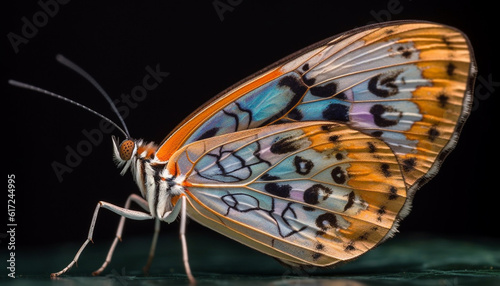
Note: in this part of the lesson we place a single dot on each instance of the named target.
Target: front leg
(118, 236)
(131, 214)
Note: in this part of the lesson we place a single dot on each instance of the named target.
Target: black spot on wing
(450, 69)
(381, 211)
(295, 114)
(267, 177)
(378, 110)
(316, 256)
(385, 170)
(312, 194)
(371, 147)
(285, 145)
(364, 236)
(443, 100)
(294, 84)
(393, 193)
(383, 85)
(326, 221)
(349, 247)
(326, 90)
(350, 201)
(338, 175)
(334, 138)
(405, 52)
(302, 166)
(336, 112)
(433, 134)
(409, 164)
(278, 190)
(447, 43)
(341, 96)
(208, 134)
(329, 127)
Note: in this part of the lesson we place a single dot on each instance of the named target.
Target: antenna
(69, 64)
(40, 90)
(64, 61)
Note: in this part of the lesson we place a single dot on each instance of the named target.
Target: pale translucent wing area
(405, 83)
(312, 193)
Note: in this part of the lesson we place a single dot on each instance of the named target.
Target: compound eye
(126, 149)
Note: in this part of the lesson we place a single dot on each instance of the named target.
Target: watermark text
(31, 26)
(223, 6)
(93, 138)
(11, 225)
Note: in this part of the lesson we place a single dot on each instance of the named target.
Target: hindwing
(312, 193)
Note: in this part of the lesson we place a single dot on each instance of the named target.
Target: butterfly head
(129, 151)
(139, 157)
(124, 152)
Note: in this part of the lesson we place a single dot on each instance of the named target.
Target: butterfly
(315, 159)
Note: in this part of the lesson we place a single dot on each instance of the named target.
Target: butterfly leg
(118, 237)
(180, 208)
(152, 250)
(131, 214)
(182, 234)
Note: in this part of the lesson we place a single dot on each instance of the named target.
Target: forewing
(310, 193)
(405, 83)
(408, 85)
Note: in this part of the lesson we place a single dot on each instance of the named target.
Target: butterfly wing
(309, 193)
(315, 159)
(406, 83)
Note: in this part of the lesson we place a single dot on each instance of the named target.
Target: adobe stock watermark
(485, 86)
(93, 138)
(31, 26)
(223, 6)
(394, 7)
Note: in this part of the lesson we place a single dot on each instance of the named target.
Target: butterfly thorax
(155, 182)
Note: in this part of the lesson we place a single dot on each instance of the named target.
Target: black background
(115, 41)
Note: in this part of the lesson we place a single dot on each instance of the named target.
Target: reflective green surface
(215, 260)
